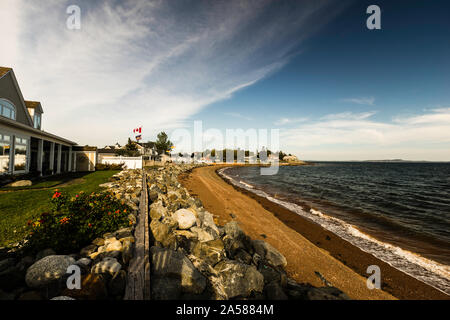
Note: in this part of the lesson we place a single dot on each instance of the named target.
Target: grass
(17, 207)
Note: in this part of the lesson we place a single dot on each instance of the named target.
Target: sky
(312, 70)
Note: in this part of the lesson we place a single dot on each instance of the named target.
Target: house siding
(9, 92)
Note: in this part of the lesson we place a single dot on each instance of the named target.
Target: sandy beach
(312, 252)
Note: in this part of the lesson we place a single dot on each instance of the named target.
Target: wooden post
(138, 281)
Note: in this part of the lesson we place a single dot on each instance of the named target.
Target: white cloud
(149, 63)
(285, 121)
(356, 137)
(349, 115)
(370, 101)
(237, 115)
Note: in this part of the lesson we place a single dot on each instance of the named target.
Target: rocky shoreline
(194, 258)
(191, 256)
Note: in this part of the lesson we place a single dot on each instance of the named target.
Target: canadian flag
(137, 130)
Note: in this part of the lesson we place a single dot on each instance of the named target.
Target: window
(20, 154)
(37, 120)
(7, 109)
(5, 148)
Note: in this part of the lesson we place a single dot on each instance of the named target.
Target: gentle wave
(426, 270)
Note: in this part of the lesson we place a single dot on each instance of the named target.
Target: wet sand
(308, 247)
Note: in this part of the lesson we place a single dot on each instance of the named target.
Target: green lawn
(17, 207)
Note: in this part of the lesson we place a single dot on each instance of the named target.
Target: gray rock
(161, 233)
(185, 218)
(98, 242)
(157, 210)
(20, 183)
(123, 233)
(269, 253)
(127, 251)
(48, 270)
(212, 252)
(202, 234)
(87, 251)
(107, 266)
(45, 253)
(238, 279)
(207, 223)
(173, 264)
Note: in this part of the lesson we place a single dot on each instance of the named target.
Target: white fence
(129, 162)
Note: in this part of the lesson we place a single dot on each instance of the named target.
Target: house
(148, 149)
(24, 146)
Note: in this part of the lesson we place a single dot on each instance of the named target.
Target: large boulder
(48, 270)
(157, 210)
(207, 223)
(185, 218)
(236, 240)
(174, 264)
(162, 233)
(107, 266)
(212, 252)
(92, 288)
(238, 279)
(269, 253)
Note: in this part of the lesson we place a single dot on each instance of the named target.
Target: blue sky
(334, 89)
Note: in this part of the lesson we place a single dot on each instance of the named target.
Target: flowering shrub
(75, 221)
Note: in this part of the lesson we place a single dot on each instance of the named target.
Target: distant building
(290, 158)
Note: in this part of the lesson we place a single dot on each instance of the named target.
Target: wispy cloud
(153, 63)
(286, 121)
(357, 137)
(238, 115)
(370, 101)
(348, 115)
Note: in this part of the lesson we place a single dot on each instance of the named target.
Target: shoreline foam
(426, 270)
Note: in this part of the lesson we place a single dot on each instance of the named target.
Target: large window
(7, 109)
(5, 150)
(20, 154)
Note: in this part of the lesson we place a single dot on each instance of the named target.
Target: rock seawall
(194, 258)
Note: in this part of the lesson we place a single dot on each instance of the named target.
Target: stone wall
(193, 258)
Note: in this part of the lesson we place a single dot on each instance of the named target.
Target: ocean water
(398, 212)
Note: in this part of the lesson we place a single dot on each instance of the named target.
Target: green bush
(75, 221)
(103, 167)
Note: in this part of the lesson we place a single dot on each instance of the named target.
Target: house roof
(34, 105)
(34, 132)
(84, 148)
(4, 71)
(108, 151)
